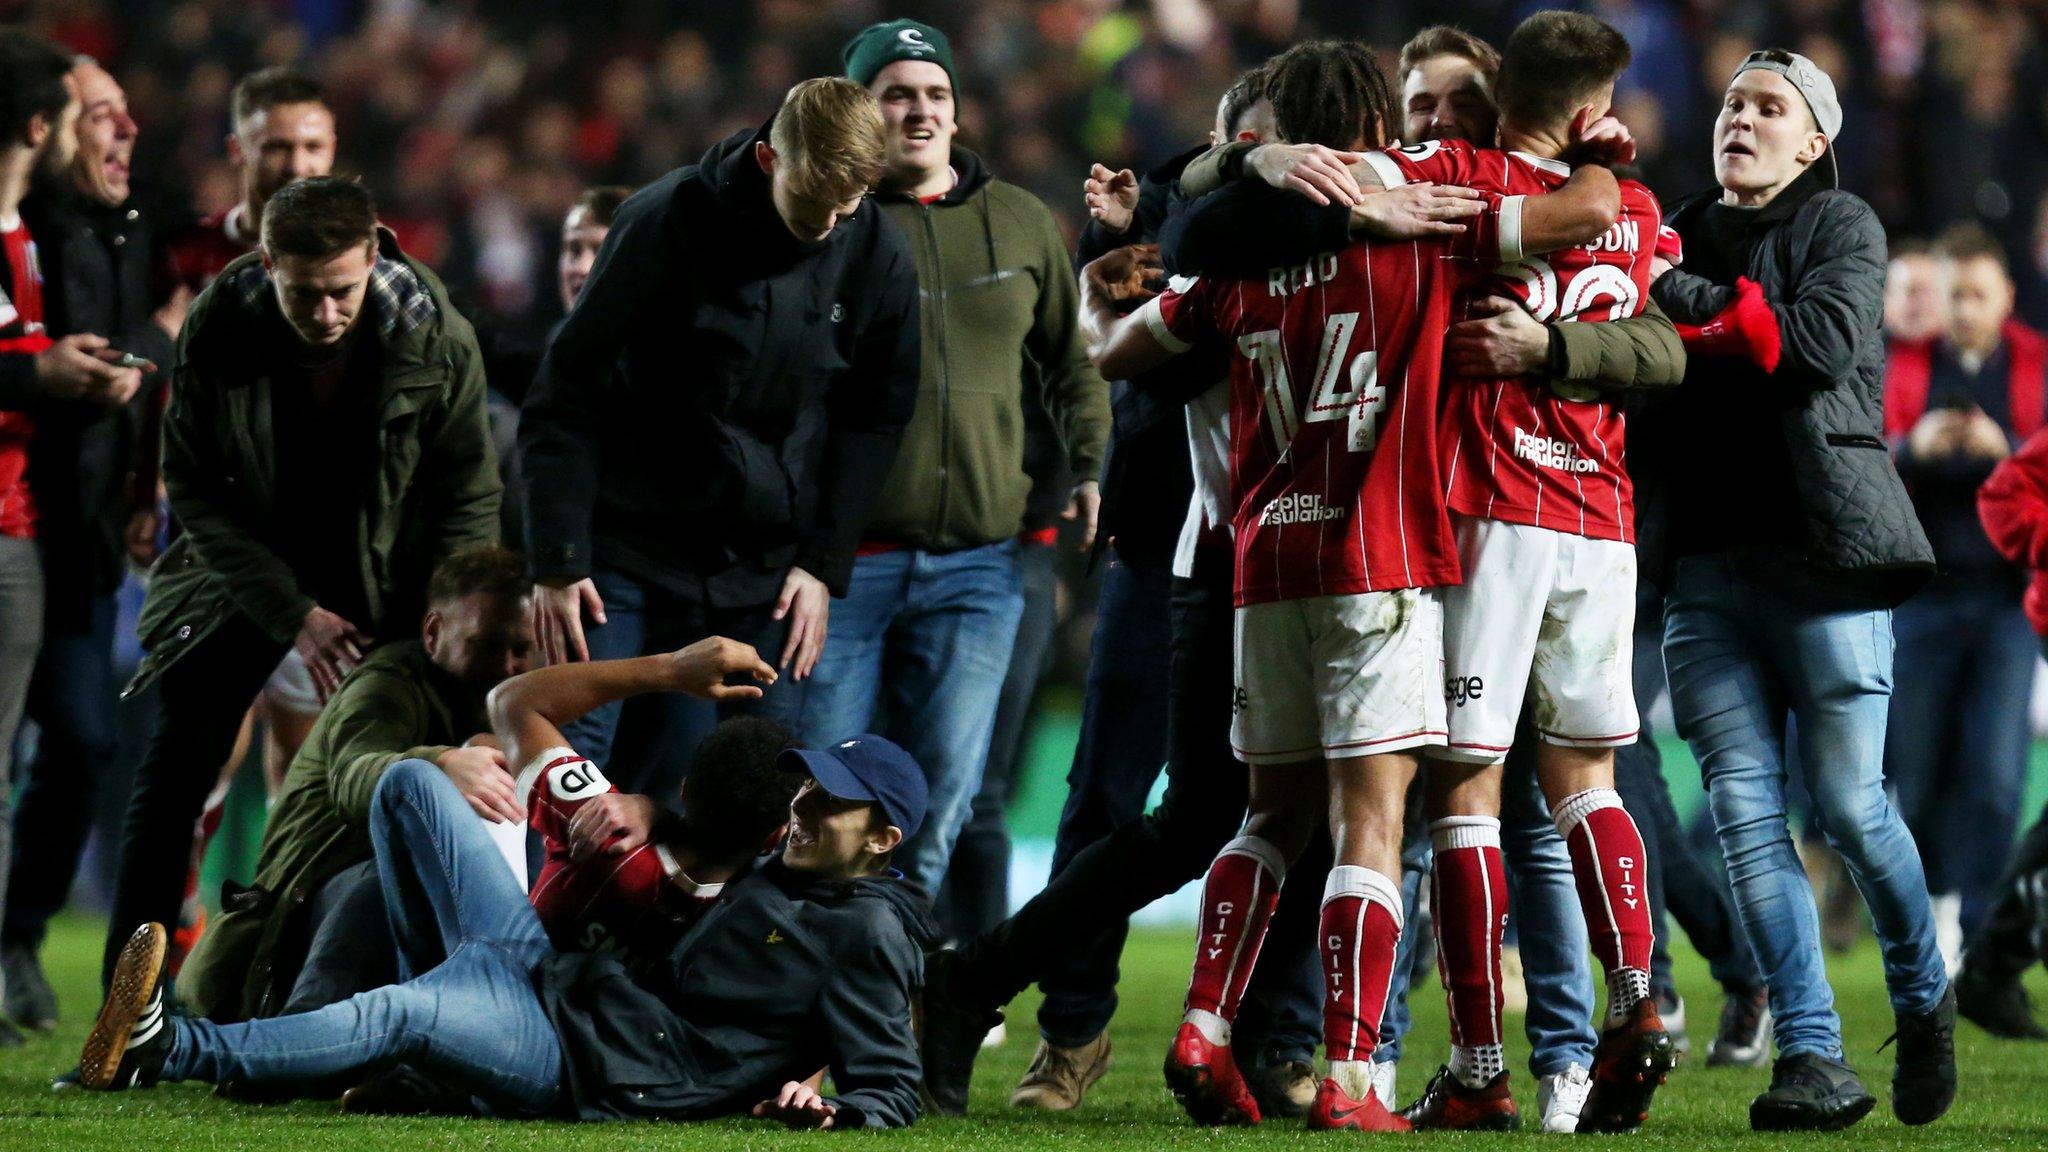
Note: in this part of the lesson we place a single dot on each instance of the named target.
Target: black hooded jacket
(788, 974)
(762, 385)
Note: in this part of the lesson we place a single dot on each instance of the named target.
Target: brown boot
(1059, 1078)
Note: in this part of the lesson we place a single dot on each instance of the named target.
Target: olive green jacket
(435, 488)
(1001, 310)
(397, 705)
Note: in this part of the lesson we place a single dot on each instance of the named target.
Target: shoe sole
(1765, 1117)
(1624, 1106)
(1195, 1087)
(135, 973)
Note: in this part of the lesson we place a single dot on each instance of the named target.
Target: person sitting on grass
(809, 961)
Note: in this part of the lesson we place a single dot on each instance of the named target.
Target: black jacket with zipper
(1796, 457)
(96, 278)
(787, 974)
(762, 385)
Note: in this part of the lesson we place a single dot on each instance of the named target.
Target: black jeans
(1154, 855)
(201, 699)
(976, 895)
(1692, 891)
(645, 744)
(349, 947)
(73, 698)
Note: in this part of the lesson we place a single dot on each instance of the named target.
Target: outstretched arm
(527, 711)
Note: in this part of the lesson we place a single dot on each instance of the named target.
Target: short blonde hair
(830, 135)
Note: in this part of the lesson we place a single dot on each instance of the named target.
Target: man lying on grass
(808, 961)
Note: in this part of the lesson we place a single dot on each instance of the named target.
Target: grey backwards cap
(1816, 88)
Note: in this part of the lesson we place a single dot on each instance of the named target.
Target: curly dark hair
(319, 217)
(1331, 92)
(736, 795)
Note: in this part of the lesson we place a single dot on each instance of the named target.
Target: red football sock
(1470, 896)
(1608, 862)
(1238, 899)
(1361, 928)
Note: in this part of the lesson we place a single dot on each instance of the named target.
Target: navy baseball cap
(869, 767)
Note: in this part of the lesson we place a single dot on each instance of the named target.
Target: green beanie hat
(877, 46)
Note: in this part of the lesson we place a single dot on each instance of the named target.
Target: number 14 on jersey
(1349, 391)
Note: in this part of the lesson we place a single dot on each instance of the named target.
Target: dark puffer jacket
(1796, 456)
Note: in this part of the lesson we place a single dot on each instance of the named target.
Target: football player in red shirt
(637, 892)
(1342, 538)
(1535, 477)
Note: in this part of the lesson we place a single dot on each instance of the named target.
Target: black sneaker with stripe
(129, 1041)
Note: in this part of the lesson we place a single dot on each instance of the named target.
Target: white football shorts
(1337, 676)
(1544, 617)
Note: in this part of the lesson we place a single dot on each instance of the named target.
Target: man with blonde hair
(762, 322)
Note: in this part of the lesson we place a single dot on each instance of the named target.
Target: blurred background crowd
(478, 122)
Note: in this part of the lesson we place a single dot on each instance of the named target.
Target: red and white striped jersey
(1335, 485)
(1513, 449)
(627, 903)
(21, 333)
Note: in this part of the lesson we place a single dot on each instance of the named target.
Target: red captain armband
(1746, 328)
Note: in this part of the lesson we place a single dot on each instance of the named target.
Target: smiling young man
(325, 448)
(808, 961)
(931, 612)
(1783, 571)
(712, 424)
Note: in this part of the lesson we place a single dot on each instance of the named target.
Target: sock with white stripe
(1238, 898)
(1609, 863)
(1361, 928)
(1469, 891)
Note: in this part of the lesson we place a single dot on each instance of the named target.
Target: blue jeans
(976, 897)
(468, 947)
(1957, 753)
(922, 641)
(1121, 751)
(645, 744)
(1750, 638)
(1550, 926)
(1681, 883)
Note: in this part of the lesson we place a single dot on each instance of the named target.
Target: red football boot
(1449, 1104)
(1334, 1111)
(1633, 1058)
(1205, 1079)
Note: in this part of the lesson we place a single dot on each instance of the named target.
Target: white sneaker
(1383, 1073)
(996, 1036)
(1948, 929)
(1562, 1097)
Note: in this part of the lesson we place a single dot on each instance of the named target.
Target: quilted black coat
(1828, 484)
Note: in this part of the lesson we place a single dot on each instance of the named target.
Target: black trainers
(401, 1091)
(950, 1030)
(1924, 1080)
(1810, 1092)
(1744, 1038)
(1284, 1088)
(2000, 1007)
(29, 1001)
(129, 1041)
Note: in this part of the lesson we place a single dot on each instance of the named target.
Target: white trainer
(1562, 1097)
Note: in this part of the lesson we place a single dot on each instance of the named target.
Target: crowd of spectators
(478, 121)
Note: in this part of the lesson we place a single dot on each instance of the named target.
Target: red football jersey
(1513, 449)
(21, 333)
(1335, 485)
(196, 254)
(627, 903)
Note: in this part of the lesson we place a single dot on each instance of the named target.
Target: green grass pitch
(2004, 1102)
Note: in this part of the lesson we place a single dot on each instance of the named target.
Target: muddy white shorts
(1336, 676)
(1543, 617)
